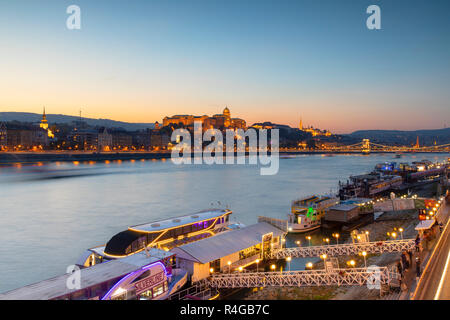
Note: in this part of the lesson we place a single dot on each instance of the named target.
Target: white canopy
(425, 224)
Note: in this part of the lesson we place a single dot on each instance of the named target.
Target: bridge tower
(365, 147)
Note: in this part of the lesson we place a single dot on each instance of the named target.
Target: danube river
(51, 213)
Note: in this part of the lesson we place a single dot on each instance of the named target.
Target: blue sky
(267, 60)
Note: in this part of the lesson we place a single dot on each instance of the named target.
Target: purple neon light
(133, 273)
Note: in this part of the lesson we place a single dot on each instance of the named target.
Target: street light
(364, 254)
(309, 265)
(288, 259)
(367, 234)
(240, 269)
(394, 235)
(324, 257)
(309, 239)
(336, 235)
(229, 266)
(352, 263)
(257, 261)
(327, 240)
(273, 267)
(401, 232)
(211, 270)
(297, 242)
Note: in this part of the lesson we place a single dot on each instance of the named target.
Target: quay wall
(32, 157)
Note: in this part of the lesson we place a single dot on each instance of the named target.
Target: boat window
(151, 237)
(142, 276)
(158, 290)
(187, 229)
(178, 231)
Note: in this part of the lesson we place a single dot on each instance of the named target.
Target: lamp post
(309, 265)
(324, 257)
(367, 234)
(336, 235)
(240, 269)
(401, 232)
(364, 254)
(272, 267)
(288, 259)
(229, 266)
(257, 262)
(352, 263)
(309, 240)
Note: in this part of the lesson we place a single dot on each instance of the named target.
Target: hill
(60, 118)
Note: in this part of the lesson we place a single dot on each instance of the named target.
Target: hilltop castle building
(314, 131)
(218, 121)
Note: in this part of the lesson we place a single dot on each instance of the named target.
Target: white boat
(306, 213)
(163, 234)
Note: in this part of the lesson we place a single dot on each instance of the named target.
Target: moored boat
(163, 234)
(306, 213)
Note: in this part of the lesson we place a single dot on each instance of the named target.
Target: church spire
(44, 117)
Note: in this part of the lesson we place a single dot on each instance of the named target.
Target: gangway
(372, 276)
(343, 249)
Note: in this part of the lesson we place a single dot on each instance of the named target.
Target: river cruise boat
(163, 234)
(368, 185)
(143, 276)
(306, 213)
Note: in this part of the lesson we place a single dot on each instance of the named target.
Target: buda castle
(217, 121)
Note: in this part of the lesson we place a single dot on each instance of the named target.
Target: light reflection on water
(51, 213)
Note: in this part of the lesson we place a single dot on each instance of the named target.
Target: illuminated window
(158, 290)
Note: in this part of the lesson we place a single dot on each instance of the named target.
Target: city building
(121, 140)
(83, 139)
(159, 140)
(104, 140)
(3, 136)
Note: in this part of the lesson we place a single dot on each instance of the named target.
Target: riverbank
(53, 156)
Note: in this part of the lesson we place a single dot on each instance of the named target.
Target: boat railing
(278, 223)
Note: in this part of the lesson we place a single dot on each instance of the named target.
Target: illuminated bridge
(367, 146)
(343, 249)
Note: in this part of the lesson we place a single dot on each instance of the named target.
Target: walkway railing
(343, 249)
(372, 276)
(241, 263)
(201, 291)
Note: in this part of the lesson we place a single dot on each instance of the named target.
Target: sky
(279, 61)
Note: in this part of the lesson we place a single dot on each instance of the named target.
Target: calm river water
(46, 224)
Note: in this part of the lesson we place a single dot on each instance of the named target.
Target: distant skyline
(138, 61)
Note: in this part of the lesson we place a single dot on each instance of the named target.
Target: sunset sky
(139, 61)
